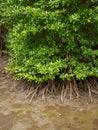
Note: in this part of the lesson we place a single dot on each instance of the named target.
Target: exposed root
(62, 94)
(43, 91)
(94, 91)
(64, 88)
(71, 90)
(29, 92)
(89, 91)
(34, 94)
(75, 87)
(53, 87)
(93, 82)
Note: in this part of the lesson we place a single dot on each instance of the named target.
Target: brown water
(16, 112)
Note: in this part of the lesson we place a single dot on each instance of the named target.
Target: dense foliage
(51, 39)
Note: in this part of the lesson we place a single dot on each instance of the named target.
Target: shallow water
(16, 112)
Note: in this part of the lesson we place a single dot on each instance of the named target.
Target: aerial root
(92, 87)
(41, 89)
(75, 87)
(94, 91)
(43, 93)
(53, 87)
(35, 92)
(89, 91)
(29, 92)
(93, 82)
(62, 94)
(71, 88)
(64, 88)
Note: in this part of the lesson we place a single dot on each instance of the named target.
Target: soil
(17, 112)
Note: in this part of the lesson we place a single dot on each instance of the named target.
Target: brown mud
(16, 112)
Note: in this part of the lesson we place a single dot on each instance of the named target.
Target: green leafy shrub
(50, 39)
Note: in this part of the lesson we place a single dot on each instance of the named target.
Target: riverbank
(16, 112)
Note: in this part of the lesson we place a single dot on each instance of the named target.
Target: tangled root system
(65, 88)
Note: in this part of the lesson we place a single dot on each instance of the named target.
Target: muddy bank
(16, 112)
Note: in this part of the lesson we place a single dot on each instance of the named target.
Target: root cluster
(65, 88)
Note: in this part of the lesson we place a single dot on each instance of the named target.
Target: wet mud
(16, 112)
